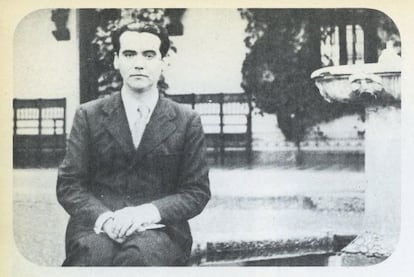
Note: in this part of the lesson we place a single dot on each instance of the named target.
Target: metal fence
(227, 122)
(39, 132)
(39, 127)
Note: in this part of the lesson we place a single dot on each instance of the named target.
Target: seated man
(135, 168)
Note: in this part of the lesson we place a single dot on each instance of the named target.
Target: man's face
(139, 60)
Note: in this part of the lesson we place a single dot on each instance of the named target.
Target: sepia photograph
(207, 137)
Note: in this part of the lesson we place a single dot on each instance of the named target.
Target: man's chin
(140, 88)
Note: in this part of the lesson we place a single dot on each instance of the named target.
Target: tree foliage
(284, 49)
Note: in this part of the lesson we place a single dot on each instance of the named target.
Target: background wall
(43, 66)
(210, 52)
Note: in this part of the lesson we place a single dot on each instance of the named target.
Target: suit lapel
(158, 128)
(117, 124)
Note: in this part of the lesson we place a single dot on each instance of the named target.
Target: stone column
(377, 87)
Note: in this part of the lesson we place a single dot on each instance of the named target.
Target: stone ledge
(369, 248)
(242, 252)
(360, 260)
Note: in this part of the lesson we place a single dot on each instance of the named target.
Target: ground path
(248, 204)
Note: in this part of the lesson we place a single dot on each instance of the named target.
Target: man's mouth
(138, 75)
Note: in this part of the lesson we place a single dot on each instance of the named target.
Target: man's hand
(126, 222)
(108, 229)
(133, 219)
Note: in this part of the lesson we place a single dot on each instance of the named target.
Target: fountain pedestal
(377, 87)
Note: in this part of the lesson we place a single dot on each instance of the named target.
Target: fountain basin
(339, 83)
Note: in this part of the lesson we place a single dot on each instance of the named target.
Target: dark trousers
(149, 248)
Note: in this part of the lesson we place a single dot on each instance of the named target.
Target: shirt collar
(132, 100)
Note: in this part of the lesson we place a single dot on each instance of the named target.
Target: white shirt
(132, 101)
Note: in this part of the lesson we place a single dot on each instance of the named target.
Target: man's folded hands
(126, 221)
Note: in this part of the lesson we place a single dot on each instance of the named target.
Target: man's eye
(149, 55)
(129, 54)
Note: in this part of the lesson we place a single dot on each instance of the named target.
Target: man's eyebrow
(149, 52)
(129, 51)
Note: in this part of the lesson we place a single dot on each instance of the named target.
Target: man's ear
(165, 63)
(116, 61)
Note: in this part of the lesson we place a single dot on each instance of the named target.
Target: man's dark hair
(146, 27)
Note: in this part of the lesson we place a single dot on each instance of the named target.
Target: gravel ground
(257, 204)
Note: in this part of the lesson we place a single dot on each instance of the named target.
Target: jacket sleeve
(73, 175)
(193, 190)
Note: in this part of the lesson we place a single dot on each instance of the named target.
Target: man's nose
(139, 62)
(138, 66)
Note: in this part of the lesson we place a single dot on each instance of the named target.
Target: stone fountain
(378, 88)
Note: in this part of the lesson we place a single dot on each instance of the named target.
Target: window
(354, 44)
(352, 48)
(330, 45)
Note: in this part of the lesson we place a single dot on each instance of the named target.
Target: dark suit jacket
(103, 171)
